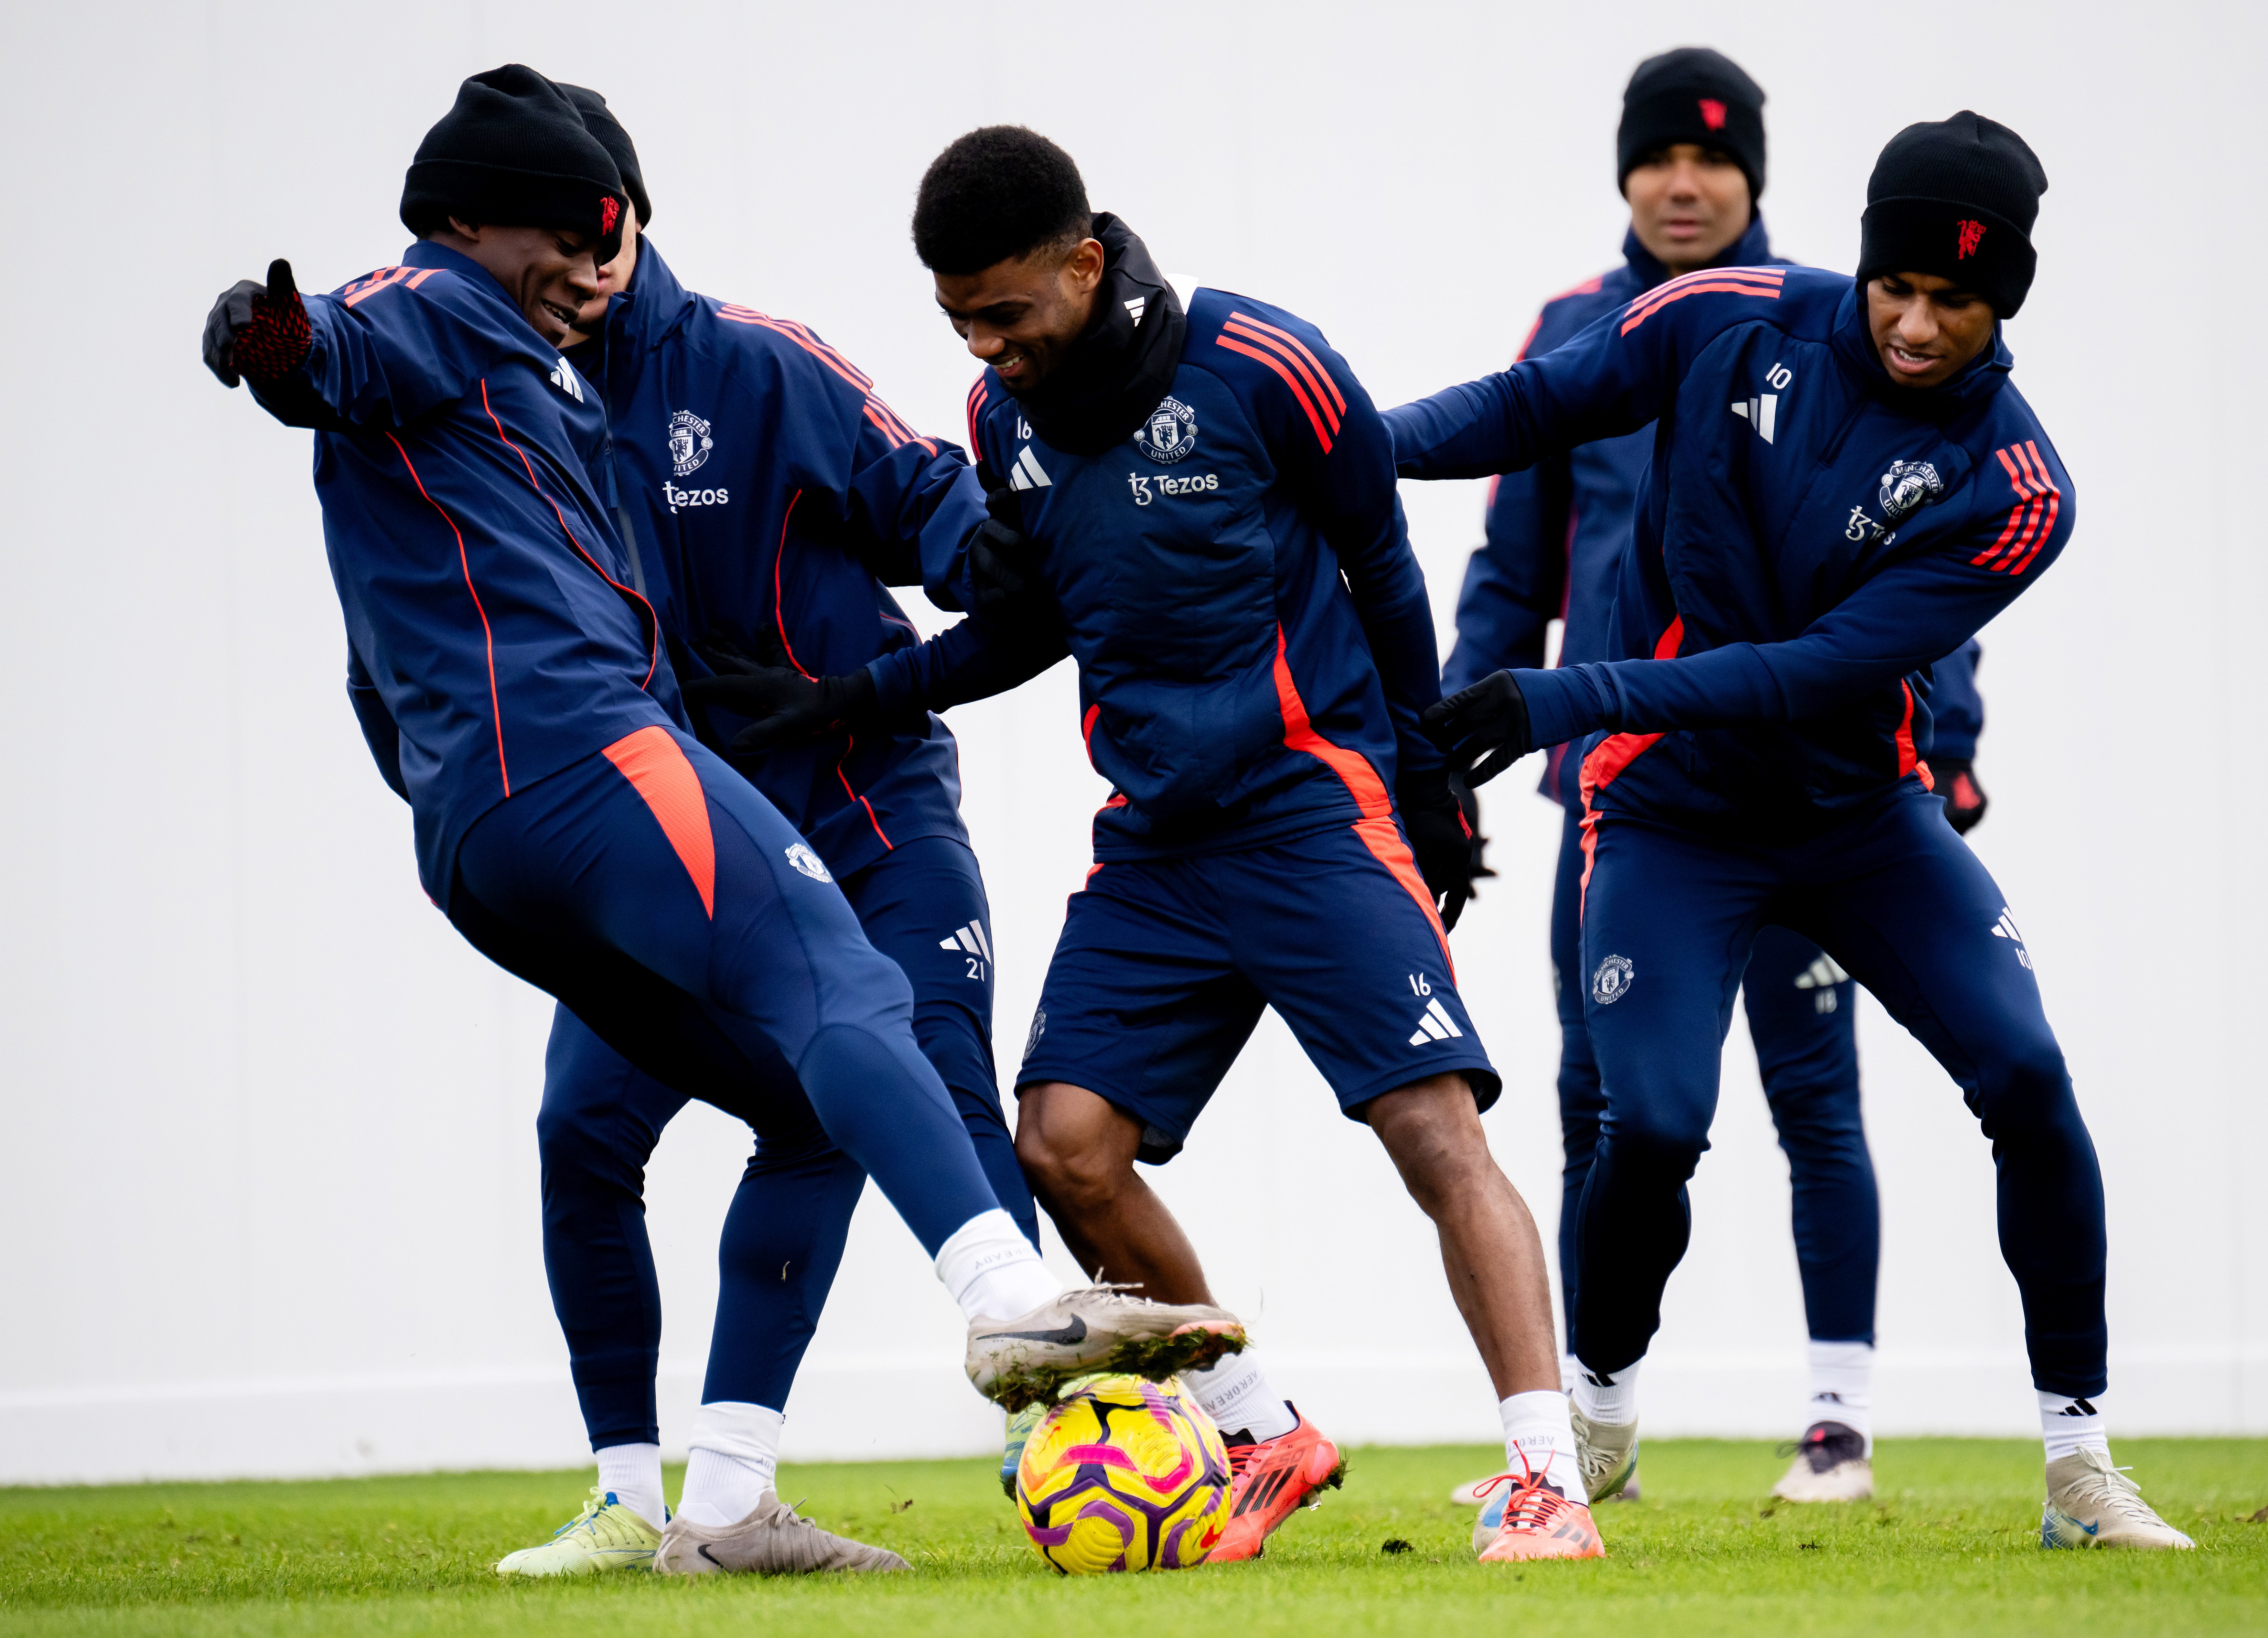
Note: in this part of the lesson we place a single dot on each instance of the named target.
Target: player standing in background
(1214, 534)
(515, 693)
(1754, 751)
(765, 493)
(1690, 159)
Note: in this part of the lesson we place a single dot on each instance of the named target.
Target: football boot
(2092, 1504)
(772, 1540)
(605, 1535)
(1268, 1480)
(1830, 1466)
(1607, 1452)
(1028, 1358)
(1534, 1520)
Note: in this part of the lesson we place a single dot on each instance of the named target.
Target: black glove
(1964, 798)
(260, 331)
(1004, 569)
(1488, 719)
(790, 707)
(1440, 838)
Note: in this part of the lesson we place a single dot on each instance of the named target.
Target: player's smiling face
(1925, 328)
(549, 272)
(1021, 316)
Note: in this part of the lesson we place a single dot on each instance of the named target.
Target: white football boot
(604, 1536)
(2092, 1504)
(772, 1540)
(1606, 1453)
(1830, 1466)
(1020, 1361)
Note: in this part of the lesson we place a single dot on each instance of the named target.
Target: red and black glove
(258, 332)
(1964, 798)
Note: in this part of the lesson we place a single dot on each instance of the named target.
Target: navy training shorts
(1165, 965)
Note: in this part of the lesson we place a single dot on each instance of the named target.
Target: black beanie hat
(513, 151)
(599, 120)
(1956, 198)
(1693, 95)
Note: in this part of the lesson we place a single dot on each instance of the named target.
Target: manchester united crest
(1907, 487)
(689, 442)
(1169, 434)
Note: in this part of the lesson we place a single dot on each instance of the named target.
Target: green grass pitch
(1949, 1547)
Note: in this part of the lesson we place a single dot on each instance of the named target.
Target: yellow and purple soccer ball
(1123, 1475)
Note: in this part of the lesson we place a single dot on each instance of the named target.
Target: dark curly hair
(998, 192)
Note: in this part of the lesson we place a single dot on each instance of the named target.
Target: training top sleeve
(1613, 377)
(1914, 612)
(1333, 453)
(387, 349)
(901, 497)
(966, 661)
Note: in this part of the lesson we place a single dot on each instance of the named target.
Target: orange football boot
(1267, 1481)
(1540, 1523)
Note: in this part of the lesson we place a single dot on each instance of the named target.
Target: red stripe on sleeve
(1297, 392)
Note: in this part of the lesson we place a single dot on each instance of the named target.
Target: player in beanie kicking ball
(765, 493)
(1755, 754)
(1691, 161)
(516, 692)
(1212, 531)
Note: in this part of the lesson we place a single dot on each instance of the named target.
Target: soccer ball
(1124, 1474)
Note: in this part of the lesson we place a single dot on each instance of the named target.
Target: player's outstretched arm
(1613, 377)
(1903, 618)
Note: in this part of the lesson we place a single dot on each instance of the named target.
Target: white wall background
(266, 1124)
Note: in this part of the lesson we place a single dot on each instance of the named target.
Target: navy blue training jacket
(493, 637)
(770, 492)
(1556, 531)
(1811, 536)
(1234, 689)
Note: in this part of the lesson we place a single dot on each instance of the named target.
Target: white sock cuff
(2069, 1424)
(735, 1428)
(1614, 1400)
(1540, 1410)
(987, 1241)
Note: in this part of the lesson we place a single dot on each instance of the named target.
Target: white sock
(1539, 1439)
(1610, 1397)
(2070, 1425)
(992, 1271)
(1571, 1372)
(735, 1459)
(1843, 1387)
(1236, 1394)
(633, 1473)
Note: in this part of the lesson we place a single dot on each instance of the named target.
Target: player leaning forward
(1211, 498)
(515, 693)
(1756, 755)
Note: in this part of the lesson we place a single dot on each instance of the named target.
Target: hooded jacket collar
(1976, 385)
(1117, 371)
(1752, 249)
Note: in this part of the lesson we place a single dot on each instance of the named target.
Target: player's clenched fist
(258, 331)
(1490, 718)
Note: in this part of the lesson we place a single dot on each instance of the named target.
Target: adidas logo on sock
(970, 938)
(1434, 1025)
